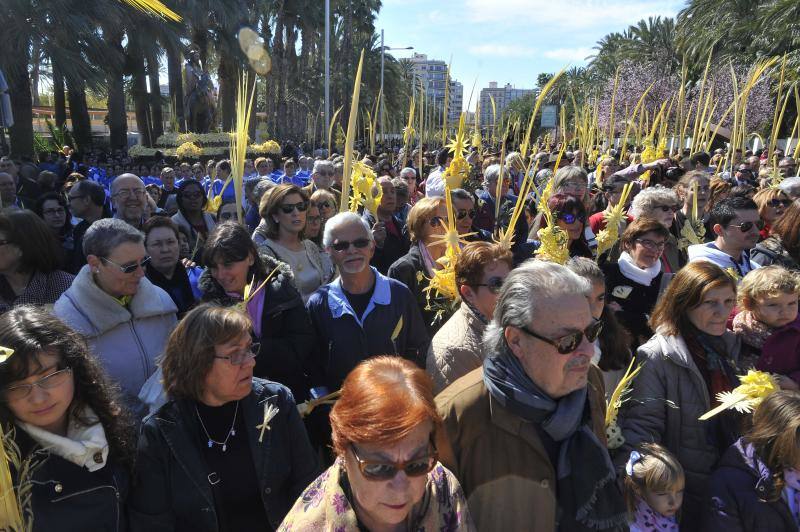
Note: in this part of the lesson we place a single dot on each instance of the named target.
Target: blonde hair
(769, 281)
(420, 214)
(656, 470)
(765, 196)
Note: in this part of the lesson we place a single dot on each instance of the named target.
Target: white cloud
(568, 15)
(575, 55)
(501, 50)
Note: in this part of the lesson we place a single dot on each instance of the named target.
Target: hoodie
(712, 253)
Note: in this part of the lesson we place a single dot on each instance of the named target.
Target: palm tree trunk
(176, 84)
(117, 115)
(36, 60)
(19, 88)
(79, 115)
(139, 92)
(155, 96)
(227, 73)
(59, 99)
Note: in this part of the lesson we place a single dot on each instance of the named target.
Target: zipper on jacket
(147, 372)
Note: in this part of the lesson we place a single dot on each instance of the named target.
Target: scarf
(327, 504)
(85, 446)
(587, 492)
(648, 520)
(427, 260)
(629, 269)
(255, 306)
(753, 332)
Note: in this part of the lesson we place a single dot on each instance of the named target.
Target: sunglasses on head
(287, 208)
(344, 245)
(494, 284)
(746, 226)
(571, 218)
(464, 213)
(380, 470)
(569, 343)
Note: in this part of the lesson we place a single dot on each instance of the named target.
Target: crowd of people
(172, 360)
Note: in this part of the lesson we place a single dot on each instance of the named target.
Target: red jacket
(781, 351)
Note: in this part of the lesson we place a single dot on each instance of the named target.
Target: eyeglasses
(668, 208)
(51, 212)
(287, 208)
(464, 213)
(130, 268)
(240, 357)
(494, 284)
(377, 470)
(571, 218)
(651, 245)
(48, 382)
(437, 220)
(746, 226)
(126, 193)
(780, 202)
(344, 245)
(569, 343)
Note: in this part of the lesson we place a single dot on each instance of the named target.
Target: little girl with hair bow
(653, 485)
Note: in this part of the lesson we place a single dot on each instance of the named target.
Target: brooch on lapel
(270, 411)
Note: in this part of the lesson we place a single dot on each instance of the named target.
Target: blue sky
(509, 41)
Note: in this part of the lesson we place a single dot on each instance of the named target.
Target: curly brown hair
(29, 331)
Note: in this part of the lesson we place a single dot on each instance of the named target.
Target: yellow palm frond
(154, 7)
(753, 388)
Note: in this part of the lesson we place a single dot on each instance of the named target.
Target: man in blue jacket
(362, 313)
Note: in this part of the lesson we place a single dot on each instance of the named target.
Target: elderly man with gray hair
(791, 185)
(362, 313)
(525, 433)
(125, 318)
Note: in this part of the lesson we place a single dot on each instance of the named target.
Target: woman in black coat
(75, 442)
(229, 451)
(753, 488)
(280, 322)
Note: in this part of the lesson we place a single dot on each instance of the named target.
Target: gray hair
(567, 174)
(491, 173)
(322, 165)
(261, 187)
(461, 194)
(646, 200)
(339, 220)
(408, 171)
(586, 268)
(518, 304)
(791, 186)
(103, 236)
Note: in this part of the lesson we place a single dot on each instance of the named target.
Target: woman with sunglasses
(783, 245)
(281, 234)
(570, 215)
(691, 358)
(126, 319)
(228, 451)
(191, 199)
(772, 203)
(427, 224)
(635, 281)
(386, 475)
(64, 417)
(326, 201)
(458, 348)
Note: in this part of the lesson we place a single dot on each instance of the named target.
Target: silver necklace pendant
(233, 432)
(210, 444)
(224, 447)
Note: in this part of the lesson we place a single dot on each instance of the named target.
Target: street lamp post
(384, 49)
(327, 69)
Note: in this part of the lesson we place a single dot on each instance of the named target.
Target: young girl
(769, 324)
(66, 421)
(654, 482)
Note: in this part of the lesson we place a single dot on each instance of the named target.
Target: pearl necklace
(231, 432)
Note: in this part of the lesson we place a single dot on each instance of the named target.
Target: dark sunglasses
(494, 284)
(130, 268)
(568, 344)
(287, 208)
(746, 226)
(377, 470)
(571, 218)
(344, 245)
(780, 202)
(464, 213)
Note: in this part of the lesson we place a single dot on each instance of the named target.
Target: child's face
(667, 503)
(776, 311)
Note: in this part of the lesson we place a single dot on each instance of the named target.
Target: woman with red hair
(386, 474)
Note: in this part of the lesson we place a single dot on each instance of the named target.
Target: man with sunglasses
(362, 313)
(458, 348)
(736, 225)
(322, 179)
(525, 433)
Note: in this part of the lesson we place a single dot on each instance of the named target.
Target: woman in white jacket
(124, 317)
